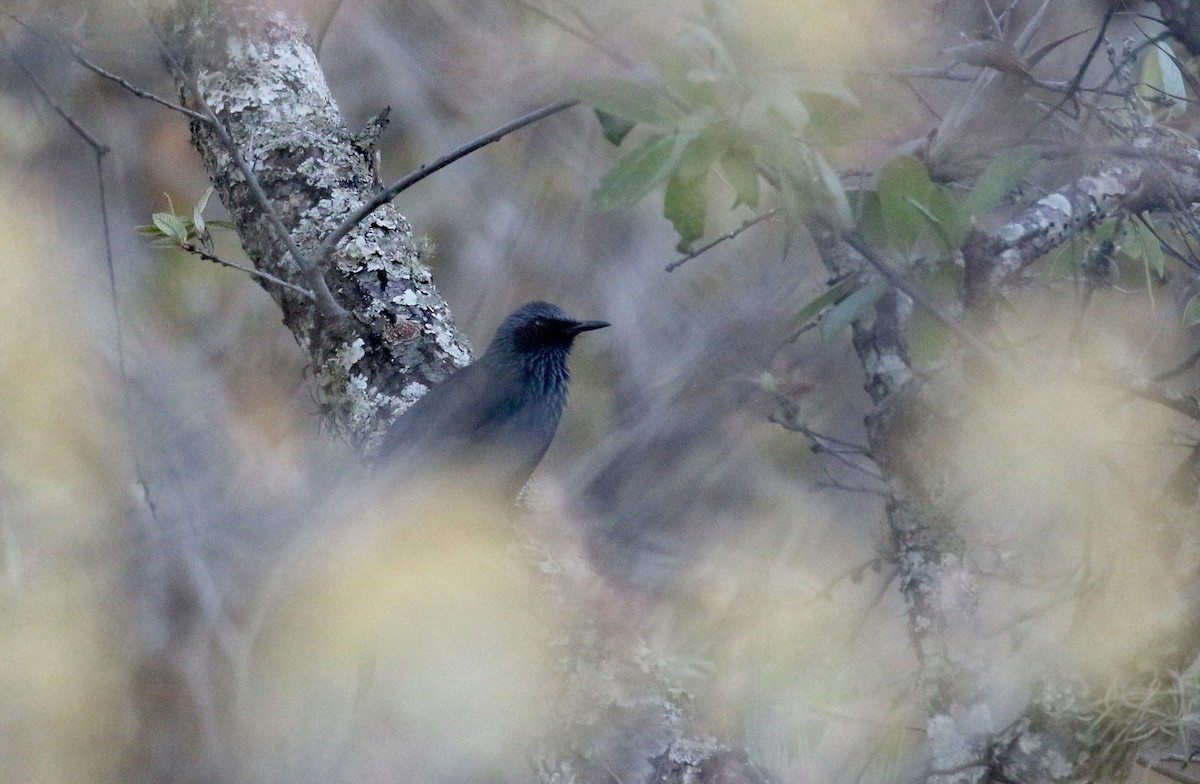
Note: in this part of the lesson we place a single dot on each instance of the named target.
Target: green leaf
(853, 306)
(695, 123)
(928, 337)
(678, 63)
(613, 127)
(903, 181)
(834, 189)
(805, 177)
(795, 193)
(198, 213)
(944, 216)
(820, 85)
(171, 226)
(1162, 81)
(1173, 84)
(739, 167)
(1191, 311)
(1003, 174)
(1066, 260)
(1151, 80)
(633, 103)
(701, 153)
(870, 219)
(1145, 246)
(202, 205)
(823, 300)
(788, 107)
(685, 205)
(637, 172)
(775, 94)
(771, 114)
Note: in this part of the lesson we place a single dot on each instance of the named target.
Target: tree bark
(255, 71)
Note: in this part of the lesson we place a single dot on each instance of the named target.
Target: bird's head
(538, 326)
(539, 335)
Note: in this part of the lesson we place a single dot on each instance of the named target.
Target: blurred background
(163, 553)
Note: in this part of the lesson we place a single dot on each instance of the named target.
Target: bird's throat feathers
(544, 369)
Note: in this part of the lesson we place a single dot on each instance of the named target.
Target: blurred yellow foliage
(64, 711)
(411, 637)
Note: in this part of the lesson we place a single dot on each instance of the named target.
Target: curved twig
(749, 223)
(73, 50)
(386, 195)
(196, 250)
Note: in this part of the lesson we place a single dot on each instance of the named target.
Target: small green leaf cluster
(172, 231)
(713, 106)
(909, 214)
(907, 210)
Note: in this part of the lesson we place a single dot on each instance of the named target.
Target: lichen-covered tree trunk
(253, 70)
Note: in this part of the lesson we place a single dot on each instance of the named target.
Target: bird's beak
(586, 326)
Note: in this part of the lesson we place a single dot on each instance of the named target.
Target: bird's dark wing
(477, 417)
(444, 420)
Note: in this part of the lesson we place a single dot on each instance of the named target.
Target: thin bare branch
(749, 223)
(912, 88)
(331, 241)
(196, 250)
(587, 35)
(324, 298)
(1077, 80)
(73, 50)
(97, 146)
(100, 150)
(1025, 37)
(1166, 246)
(854, 573)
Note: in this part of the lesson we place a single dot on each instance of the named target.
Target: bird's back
(491, 424)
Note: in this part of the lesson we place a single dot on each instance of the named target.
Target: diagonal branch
(72, 50)
(196, 250)
(747, 224)
(330, 242)
(99, 147)
(1165, 174)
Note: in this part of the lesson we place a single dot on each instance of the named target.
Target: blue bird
(498, 415)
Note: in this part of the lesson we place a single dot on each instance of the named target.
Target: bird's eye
(538, 323)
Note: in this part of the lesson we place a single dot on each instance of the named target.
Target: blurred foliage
(717, 100)
(921, 221)
(347, 635)
(66, 708)
(412, 634)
